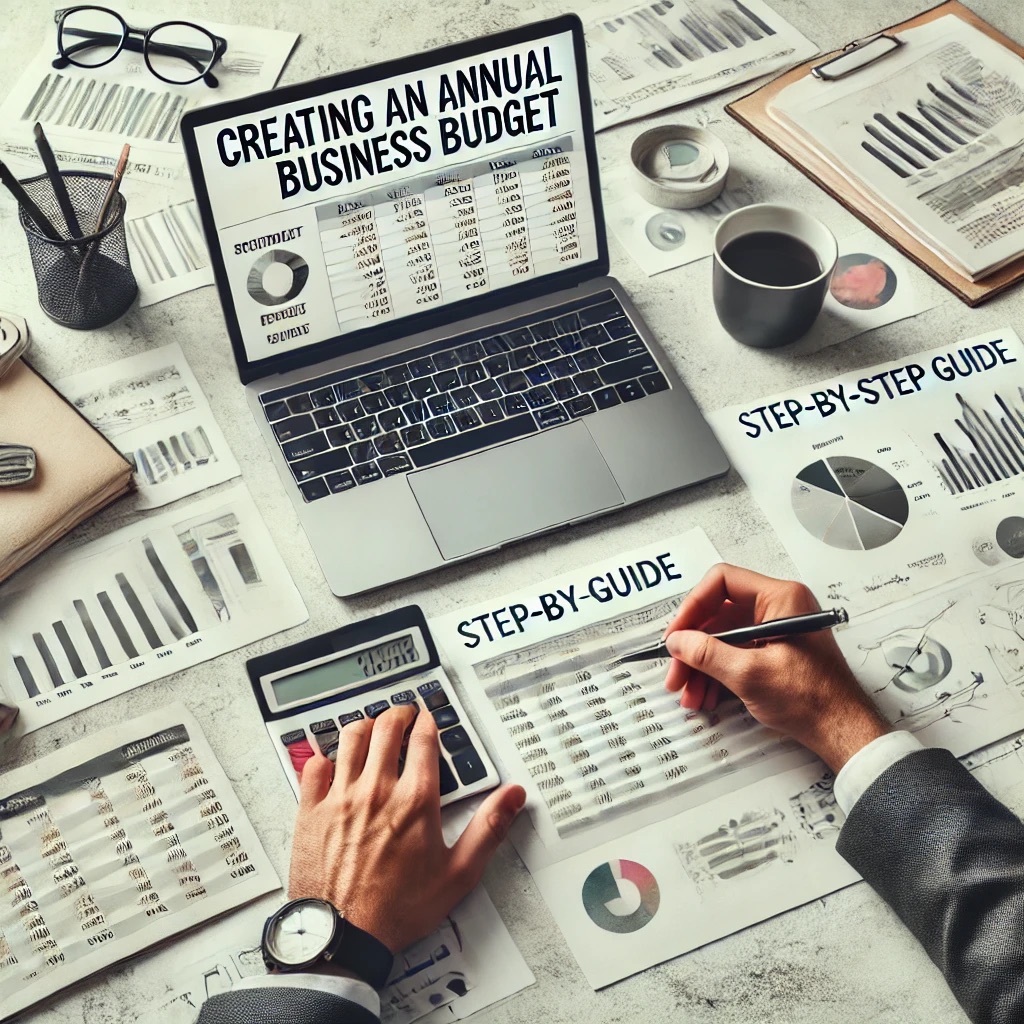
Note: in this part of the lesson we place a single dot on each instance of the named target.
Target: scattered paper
(113, 844)
(168, 252)
(650, 56)
(873, 285)
(152, 407)
(89, 113)
(78, 627)
(658, 239)
(887, 481)
(469, 962)
(641, 815)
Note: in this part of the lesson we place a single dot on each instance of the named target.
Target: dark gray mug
(769, 315)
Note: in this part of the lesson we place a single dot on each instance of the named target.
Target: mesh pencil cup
(82, 282)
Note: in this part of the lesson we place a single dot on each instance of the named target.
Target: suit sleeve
(294, 999)
(949, 859)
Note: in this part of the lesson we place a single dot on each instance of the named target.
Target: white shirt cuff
(352, 989)
(868, 763)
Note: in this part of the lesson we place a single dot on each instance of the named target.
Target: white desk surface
(840, 959)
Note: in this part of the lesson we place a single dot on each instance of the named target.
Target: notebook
(413, 267)
(78, 471)
(919, 131)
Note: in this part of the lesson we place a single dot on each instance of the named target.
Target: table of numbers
(116, 852)
(599, 740)
(456, 233)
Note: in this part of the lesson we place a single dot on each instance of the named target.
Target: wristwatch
(307, 931)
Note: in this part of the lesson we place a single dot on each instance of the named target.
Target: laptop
(413, 266)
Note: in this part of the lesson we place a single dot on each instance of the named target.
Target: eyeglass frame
(143, 46)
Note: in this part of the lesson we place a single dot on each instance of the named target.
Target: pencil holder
(82, 282)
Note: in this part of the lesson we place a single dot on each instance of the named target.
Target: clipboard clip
(856, 55)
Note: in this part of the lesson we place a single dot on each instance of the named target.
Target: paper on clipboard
(935, 133)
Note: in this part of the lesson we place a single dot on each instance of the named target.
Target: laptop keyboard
(460, 395)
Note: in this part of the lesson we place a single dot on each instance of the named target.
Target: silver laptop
(412, 262)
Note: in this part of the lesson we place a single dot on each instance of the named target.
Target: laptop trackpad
(514, 490)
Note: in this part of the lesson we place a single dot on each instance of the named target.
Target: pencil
(115, 183)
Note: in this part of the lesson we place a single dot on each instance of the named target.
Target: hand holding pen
(800, 686)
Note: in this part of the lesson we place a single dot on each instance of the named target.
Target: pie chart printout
(621, 896)
(849, 503)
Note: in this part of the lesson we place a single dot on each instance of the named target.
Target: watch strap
(361, 952)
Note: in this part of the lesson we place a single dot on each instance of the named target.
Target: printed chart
(79, 627)
(113, 844)
(891, 480)
(152, 408)
(621, 896)
(849, 503)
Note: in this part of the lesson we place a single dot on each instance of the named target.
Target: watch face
(301, 932)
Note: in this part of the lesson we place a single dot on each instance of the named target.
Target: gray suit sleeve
(949, 859)
(280, 1005)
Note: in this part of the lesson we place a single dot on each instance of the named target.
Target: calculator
(310, 691)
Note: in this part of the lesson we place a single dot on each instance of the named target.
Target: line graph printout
(888, 481)
(621, 782)
(78, 627)
(113, 844)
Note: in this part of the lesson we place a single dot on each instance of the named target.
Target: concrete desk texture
(845, 957)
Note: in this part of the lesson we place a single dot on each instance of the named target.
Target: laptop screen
(367, 206)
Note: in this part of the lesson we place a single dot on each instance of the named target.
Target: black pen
(773, 629)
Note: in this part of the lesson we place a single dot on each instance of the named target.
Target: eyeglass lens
(180, 53)
(91, 36)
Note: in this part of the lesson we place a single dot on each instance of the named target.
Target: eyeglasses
(177, 52)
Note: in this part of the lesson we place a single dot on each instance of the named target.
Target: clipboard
(752, 111)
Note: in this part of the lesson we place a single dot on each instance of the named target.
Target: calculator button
(349, 717)
(326, 736)
(433, 696)
(403, 697)
(469, 765)
(299, 749)
(455, 739)
(448, 783)
(445, 717)
(378, 707)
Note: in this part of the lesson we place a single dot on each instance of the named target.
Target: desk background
(844, 958)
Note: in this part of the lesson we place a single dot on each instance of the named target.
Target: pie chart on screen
(849, 503)
(621, 896)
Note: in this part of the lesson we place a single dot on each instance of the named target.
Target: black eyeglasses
(177, 52)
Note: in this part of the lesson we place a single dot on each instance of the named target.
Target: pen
(773, 629)
(33, 212)
(60, 189)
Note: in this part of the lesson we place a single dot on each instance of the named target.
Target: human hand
(370, 842)
(800, 686)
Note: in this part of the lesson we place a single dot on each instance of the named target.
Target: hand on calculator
(800, 686)
(368, 839)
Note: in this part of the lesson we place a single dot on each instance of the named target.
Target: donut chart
(621, 896)
(849, 503)
(294, 263)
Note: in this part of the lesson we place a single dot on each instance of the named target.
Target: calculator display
(347, 669)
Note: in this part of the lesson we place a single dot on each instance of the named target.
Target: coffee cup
(772, 267)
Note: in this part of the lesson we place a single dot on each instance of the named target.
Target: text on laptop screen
(375, 203)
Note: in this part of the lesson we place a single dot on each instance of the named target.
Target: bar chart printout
(153, 598)
(112, 844)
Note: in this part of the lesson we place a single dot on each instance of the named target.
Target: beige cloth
(78, 471)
